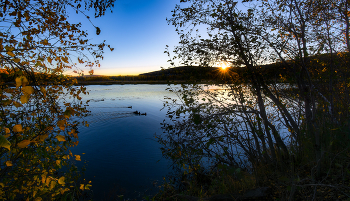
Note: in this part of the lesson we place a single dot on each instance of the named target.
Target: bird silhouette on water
(139, 113)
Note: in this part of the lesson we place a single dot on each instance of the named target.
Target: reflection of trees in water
(223, 125)
(272, 130)
(297, 132)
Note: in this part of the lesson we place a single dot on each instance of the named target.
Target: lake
(123, 157)
(119, 146)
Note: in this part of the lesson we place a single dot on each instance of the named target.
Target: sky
(138, 32)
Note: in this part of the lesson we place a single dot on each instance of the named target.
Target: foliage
(289, 135)
(40, 115)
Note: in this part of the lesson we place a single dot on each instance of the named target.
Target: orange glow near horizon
(223, 65)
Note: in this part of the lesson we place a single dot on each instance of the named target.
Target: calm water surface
(119, 146)
(122, 155)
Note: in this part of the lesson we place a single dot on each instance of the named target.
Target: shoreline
(136, 82)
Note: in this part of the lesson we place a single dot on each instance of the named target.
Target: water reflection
(119, 146)
(123, 156)
(224, 124)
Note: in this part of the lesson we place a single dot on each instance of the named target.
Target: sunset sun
(223, 65)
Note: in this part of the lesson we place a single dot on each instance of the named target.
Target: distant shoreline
(85, 83)
(130, 82)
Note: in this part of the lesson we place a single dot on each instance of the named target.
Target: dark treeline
(276, 72)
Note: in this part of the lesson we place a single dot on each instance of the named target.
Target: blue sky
(138, 31)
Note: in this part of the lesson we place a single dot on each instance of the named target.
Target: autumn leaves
(39, 117)
(36, 131)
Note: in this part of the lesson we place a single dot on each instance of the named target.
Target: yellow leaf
(60, 138)
(9, 49)
(11, 54)
(23, 144)
(28, 90)
(8, 163)
(64, 190)
(43, 178)
(2, 185)
(48, 179)
(17, 128)
(27, 16)
(61, 124)
(69, 111)
(87, 186)
(45, 42)
(24, 98)
(14, 13)
(18, 82)
(43, 90)
(17, 104)
(4, 142)
(7, 130)
(80, 61)
(21, 81)
(43, 137)
(58, 162)
(72, 132)
(61, 181)
(82, 187)
(17, 60)
(24, 81)
(52, 185)
(65, 59)
(49, 59)
(77, 157)
(38, 199)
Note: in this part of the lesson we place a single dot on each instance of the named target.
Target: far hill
(198, 73)
(181, 70)
(181, 74)
(185, 74)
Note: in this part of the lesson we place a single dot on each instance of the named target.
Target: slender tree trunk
(265, 121)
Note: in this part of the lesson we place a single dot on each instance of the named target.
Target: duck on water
(139, 113)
